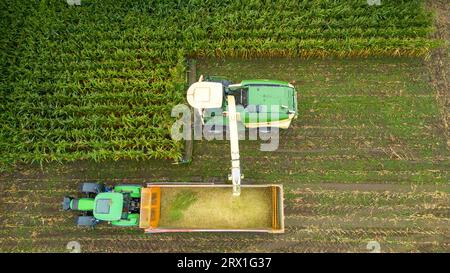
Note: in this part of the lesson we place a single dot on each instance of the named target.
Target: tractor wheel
(90, 187)
(133, 190)
(86, 221)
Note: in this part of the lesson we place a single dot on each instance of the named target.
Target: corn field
(98, 81)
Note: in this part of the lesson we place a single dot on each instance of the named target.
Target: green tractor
(118, 205)
(262, 104)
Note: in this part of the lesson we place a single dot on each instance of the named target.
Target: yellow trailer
(183, 207)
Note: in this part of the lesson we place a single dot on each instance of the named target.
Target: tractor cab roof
(108, 206)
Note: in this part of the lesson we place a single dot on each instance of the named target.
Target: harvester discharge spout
(234, 143)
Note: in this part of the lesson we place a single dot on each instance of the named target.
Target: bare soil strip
(439, 61)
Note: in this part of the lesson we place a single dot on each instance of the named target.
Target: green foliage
(98, 81)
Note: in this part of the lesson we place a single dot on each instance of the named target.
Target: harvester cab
(118, 205)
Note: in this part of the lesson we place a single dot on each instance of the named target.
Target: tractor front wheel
(89, 187)
(86, 221)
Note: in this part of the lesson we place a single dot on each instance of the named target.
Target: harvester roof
(270, 93)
